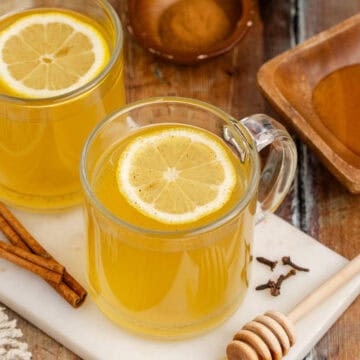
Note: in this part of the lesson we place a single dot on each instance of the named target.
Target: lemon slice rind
(99, 51)
(131, 194)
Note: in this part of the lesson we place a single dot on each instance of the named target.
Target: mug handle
(279, 169)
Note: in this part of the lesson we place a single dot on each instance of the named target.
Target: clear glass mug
(41, 139)
(179, 283)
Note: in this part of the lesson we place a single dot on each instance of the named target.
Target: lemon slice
(49, 54)
(176, 175)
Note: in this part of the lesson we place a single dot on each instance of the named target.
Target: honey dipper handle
(326, 289)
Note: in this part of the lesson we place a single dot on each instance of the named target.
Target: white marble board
(91, 335)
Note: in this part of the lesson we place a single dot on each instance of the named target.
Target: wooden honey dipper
(270, 336)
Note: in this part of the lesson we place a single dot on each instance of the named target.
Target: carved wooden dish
(288, 82)
(143, 19)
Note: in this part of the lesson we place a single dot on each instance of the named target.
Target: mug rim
(239, 206)
(118, 46)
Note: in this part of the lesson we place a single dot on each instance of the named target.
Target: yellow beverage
(167, 278)
(42, 132)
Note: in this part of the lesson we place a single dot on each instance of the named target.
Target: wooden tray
(288, 81)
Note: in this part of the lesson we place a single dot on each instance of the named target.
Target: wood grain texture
(316, 202)
(328, 212)
(278, 35)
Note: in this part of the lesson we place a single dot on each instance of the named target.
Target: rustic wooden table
(317, 204)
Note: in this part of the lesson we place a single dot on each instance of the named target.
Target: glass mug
(173, 284)
(41, 138)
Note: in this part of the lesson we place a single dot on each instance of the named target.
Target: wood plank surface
(328, 212)
(278, 35)
(316, 203)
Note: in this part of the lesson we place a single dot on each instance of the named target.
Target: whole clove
(287, 261)
(267, 262)
(276, 286)
(275, 291)
(269, 285)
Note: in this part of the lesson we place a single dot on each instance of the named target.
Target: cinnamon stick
(75, 286)
(72, 297)
(49, 264)
(69, 288)
(11, 235)
(36, 269)
(29, 242)
(20, 230)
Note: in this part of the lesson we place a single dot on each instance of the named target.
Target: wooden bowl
(288, 82)
(143, 22)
